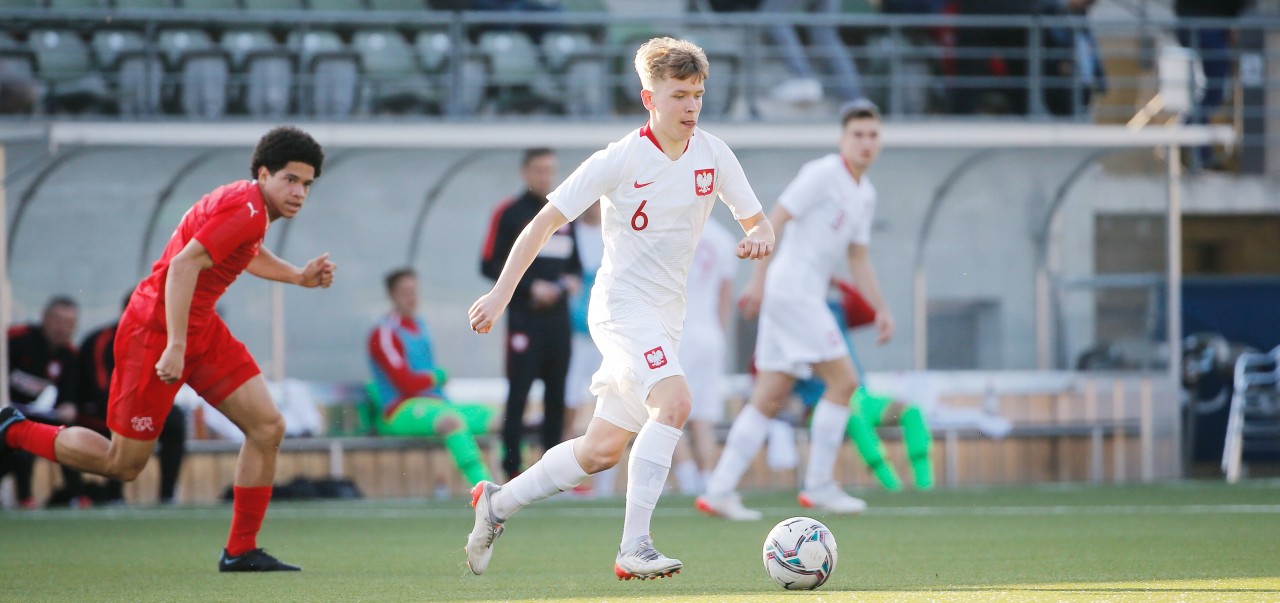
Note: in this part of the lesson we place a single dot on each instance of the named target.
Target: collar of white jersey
(647, 132)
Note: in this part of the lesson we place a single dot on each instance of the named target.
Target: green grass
(1187, 541)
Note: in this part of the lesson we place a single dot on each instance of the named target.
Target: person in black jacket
(538, 328)
(41, 356)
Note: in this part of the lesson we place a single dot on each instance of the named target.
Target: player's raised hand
(318, 272)
(750, 248)
(172, 361)
(749, 303)
(485, 312)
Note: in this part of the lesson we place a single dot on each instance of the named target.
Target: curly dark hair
(282, 145)
(393, 277)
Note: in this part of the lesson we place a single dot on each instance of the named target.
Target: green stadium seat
(65, 66)
(281, 5)
(137, 75)
(393, 78)
(397, 5)
(580, 69)
(331, 72)
(143, 4)
(336, 5)
(435, 53)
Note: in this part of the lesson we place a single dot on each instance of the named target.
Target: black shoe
(8, 416)
(256, 560)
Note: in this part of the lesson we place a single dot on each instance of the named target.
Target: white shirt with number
(829, 212)
(653, 209)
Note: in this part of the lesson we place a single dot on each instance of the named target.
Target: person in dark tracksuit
(538, 329)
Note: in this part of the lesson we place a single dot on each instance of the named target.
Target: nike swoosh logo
(230, 561)
(638, 185)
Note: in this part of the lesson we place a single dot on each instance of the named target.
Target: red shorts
(216, 364)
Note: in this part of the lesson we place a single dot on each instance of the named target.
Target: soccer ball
(800, 553)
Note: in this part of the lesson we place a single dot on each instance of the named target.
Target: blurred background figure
(804, 86)
(1213, 44)
(41, 361)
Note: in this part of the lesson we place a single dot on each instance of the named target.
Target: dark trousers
(173, 447)
(20, 464)
(537, 349)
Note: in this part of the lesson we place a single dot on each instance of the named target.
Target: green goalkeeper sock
(868, 444)
(466, 455)
(918, 441)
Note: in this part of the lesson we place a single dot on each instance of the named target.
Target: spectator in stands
(90, 383)
(804, 85)
(407, 383)
(991, 51)
(708, 299)
(1072, 60)
(1213, 44)
(41, 361)
(538, 331)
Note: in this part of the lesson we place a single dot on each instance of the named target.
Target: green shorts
(418, 416)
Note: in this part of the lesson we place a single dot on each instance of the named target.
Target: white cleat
(832, 499)
(644, 562)
(486, 530)
(728, 506)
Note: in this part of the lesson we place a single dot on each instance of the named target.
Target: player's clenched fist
(318, 272)
(754, 249)
(485, 312)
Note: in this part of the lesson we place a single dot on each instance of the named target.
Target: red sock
(248, 509)
(36, 438)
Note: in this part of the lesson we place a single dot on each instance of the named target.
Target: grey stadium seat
(21, 4)
(203, 72)
(515, 76)
(392, 78)
(210, 4)
(273, 4)
(265, 71)
(143, 4)
(580, 69)
(336, 5)
(65, 67)
(397, 5)
(76, 4)
(436, 54)
(138, 73)
(332, 72)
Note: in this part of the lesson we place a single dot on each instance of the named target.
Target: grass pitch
(1176, 542)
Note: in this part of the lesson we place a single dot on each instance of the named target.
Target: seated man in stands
(406, 383)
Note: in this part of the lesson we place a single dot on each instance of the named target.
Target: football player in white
(656, 186)
(827, 209)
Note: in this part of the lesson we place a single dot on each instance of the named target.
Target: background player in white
(709, 294)
(585, 358)
(656, 187)
(829, 207)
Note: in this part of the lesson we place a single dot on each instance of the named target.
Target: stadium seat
(580, 69)
(138, 73)
(392, 78)
(143, 4)
(516, 75)
(21, 4)
(17, 64)
(264, 72)
(76, 4)
(64, 65)
(436, 53)
(203, 72)
(210, 4)
(336, 5)
(397, 5)
(273, 5)
(332, 73)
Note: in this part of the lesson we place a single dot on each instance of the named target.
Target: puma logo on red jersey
(253, 211)
(656, 358)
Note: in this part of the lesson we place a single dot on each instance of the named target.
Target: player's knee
(596, 457)
(127, 470)
(268, 432)
(447, 423)
(841, 389)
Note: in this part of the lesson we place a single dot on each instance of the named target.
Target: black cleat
(8, 416)
(256, 560)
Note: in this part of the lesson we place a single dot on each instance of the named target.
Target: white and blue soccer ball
(800, 553)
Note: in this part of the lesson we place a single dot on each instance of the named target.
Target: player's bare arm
(486, 311)
(316, 273)
(749, 303)
(179, 287)
(758, 242)
(864, 276)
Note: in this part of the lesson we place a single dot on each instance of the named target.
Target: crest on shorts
(656, 358)
(519, 343)
(141, 424)
(704, 181)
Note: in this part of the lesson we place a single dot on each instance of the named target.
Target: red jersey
(231, 223)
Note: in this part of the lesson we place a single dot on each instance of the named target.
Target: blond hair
(669, 58)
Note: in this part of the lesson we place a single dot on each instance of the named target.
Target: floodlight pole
(1173, 304)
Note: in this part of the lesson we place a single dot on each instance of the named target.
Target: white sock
(602, 483)
(646, 475)
(556, 472)
(744, 442)
(781, 453)
(826, 433)
(687, 478)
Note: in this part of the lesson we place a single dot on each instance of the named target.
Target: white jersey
(829, 212)
(652, 213)
(714, 262)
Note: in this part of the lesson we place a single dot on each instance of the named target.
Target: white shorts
(703, 352)
(584, 361)
(637, 354)
(795, 334)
